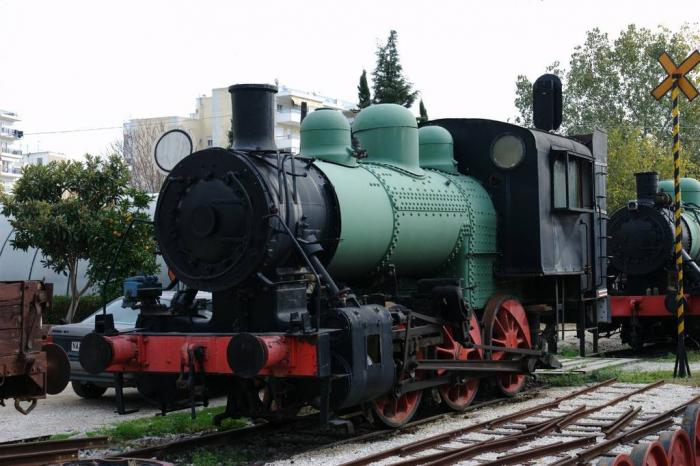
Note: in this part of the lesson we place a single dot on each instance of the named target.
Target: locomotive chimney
(253, 121)
(547, 102)
(647, 186)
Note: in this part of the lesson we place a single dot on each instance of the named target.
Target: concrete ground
(67, 412)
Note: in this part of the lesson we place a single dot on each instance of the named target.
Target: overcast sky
(67, 65)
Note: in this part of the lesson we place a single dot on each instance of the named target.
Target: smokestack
(253, 121)
(547, 102)
(647, 186)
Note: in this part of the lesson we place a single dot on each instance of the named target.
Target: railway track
(30, 453)
(575, 429)
(596, 422)
(302, 432)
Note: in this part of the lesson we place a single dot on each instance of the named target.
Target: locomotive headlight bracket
(507, 151)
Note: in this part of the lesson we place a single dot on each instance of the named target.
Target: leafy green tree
(76, 211)
(423, 112)
(631, 151)
(389, 83)
(363, 97)
(608, 85)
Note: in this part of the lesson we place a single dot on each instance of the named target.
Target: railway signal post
(676, 81)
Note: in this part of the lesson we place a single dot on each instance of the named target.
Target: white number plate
(75, 346)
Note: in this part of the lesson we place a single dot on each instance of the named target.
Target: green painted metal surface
(437, 225)
(325, 135)
(476, 253)
(366, 220)
(436, 149)
(428, 214)
(692, 221)
(690, 190)
(690, 195)
(389, 134)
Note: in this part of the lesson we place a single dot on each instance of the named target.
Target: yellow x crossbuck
(677, 72)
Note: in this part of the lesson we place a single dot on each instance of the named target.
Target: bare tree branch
(136, 148)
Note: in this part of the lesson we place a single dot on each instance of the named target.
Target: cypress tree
(423, 112)
(390, 85)
(363, 97)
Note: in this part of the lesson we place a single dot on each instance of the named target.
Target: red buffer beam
(240, 354)
(650, 306)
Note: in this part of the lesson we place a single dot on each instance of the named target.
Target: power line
(127, 125)
(163, 121)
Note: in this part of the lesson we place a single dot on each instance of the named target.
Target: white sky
(68, 65)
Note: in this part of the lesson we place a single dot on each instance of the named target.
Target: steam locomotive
(642, 268)
(383, 262)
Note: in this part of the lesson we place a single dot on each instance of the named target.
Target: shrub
(88, 305)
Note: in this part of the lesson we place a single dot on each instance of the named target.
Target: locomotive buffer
(676, 80)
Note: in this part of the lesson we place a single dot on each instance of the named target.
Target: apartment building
(210, 123)
(10, 153)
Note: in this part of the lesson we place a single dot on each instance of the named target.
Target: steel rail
(41, 458)
(612, 402)
(214, 438)
(441, 438)
(385, 432)
(220, 437)
(538, 429)
(451, 457)
(621, 422)
(585, 456)
(550, 423)
(529, 455)
(448, 456)
(652, 425)
(552, 404)
(48, 451)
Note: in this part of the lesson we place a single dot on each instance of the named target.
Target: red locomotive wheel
(394, 412)
(649, 454)
(678, 448)
(458, 396)
(619, 460)
(691, 425)
(505, 324)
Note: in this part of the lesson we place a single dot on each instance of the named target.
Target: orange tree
(80, 211)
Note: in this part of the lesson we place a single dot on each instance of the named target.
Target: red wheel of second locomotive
(458, 396)
(691, 425)
(619, 460)
(649, 454)
(505, 324)
(678, 448)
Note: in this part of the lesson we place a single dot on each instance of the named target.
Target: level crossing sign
(676, 81)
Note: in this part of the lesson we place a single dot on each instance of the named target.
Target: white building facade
(10, 153)
(210, 123)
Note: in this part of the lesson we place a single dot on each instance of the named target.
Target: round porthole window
(508, 151)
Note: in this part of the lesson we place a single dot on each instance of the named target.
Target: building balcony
(11, 172)
(288, 117)
(8, 133)
(12, 153)
(8, 116)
